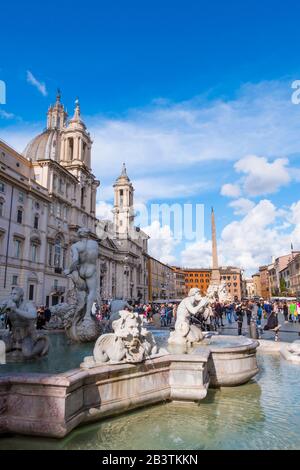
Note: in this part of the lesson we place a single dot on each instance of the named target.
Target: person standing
(163, 316)
(292, 310)
(47, 314)
(285, 312)
(240, 318)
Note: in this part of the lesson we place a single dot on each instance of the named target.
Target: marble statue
(291, 352)
(80, 326)
(185, 333)
(294, 347)
(116, 306)
(129, 342)
(218, 292)
(23, 341)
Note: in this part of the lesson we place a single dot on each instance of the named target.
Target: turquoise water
(62, 356)
(263, 414)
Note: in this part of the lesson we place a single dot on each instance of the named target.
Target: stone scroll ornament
(79, 324)
(23, 341)
(129, 342)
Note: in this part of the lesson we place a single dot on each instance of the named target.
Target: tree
(282, 285)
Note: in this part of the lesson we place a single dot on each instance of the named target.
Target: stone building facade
(161, 281)
(123, 248)
(233, 278)
(46, 194)
(179, 280)
(257, 285)
(24, 214)
(264, 282)
(197, 278)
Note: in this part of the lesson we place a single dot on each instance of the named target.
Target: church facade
(46, 194)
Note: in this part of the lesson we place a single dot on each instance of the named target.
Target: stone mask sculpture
(130, 342)
(23, 341)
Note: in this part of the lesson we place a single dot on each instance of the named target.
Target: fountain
(23, 342)
(128, 368)
(79, 325)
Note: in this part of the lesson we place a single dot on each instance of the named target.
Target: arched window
(71, 145)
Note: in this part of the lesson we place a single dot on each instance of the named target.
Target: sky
(195, 97)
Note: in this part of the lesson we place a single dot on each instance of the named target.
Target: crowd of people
(264, 314)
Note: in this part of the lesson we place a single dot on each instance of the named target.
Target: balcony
(58, 290)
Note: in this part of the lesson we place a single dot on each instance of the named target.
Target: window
(34, 249)
(54, 182)
(121, 198)
(37, 205)
(82, 196)
(2, 187)
(36, 222)
(31, 292)
(17, 248)
(19, 216)
(21, 196)
(55, 283)
(70, 140)
(1, 208)
(58, 210)
(14, 281)
(57, 253)
(50, 254)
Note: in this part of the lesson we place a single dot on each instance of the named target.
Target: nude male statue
(83, 269)
(22, 315)
(185, 332)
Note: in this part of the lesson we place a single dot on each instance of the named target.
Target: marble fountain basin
(53, 404)
(232, 360)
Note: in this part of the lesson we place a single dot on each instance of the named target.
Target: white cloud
(104, 210)
(260, 120)
(6, 115)
(242, 206)
(159, 188)
(263, 177)
(251, 242)
(161, 243)
(176, 148)
(230, 190)
(40, 86)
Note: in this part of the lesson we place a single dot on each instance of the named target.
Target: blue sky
(184, 92)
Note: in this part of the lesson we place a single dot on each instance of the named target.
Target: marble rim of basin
(234, 365)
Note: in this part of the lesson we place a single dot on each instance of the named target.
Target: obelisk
(215, 273)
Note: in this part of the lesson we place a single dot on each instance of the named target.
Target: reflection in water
(263, 414)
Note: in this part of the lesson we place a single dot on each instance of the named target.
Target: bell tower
(123, 204)
(76, 143)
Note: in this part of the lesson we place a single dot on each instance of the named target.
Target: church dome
(44, 146)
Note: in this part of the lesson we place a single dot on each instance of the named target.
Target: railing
(58, 289)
